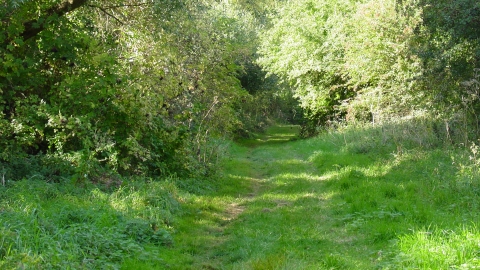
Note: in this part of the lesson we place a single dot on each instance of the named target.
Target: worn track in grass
(271, 210)
(339, 201)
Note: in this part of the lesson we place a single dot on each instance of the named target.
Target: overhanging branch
(127, 5)
(33, 27)
(108, 13)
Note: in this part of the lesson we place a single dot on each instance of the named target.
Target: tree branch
(127, 5)
(33, 27)
(106, 12)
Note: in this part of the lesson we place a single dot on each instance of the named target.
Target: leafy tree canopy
(134, 87)
(373, 59)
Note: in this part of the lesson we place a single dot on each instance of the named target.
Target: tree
(373, 60)
(128, 87)
(304, 47)
(379, 62)
(32, 27)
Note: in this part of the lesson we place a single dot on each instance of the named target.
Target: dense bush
(131, 88)
(375, 60)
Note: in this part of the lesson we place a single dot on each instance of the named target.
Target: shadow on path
(272, 136)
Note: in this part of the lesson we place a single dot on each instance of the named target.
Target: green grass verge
(62, 226)
(359, 198)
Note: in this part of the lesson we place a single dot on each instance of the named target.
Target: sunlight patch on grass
(273, 198)
(437, 248)
(243, 178)
(287, 162)
(288, 177)
(132, 202)
(274, 135)
(327, 195)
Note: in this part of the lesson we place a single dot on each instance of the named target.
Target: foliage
(373, 60)
(378, 61)
(134, 88)
(270, 102)
(301, 49)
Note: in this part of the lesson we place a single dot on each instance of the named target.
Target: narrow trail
(254, 165)
(257, 171)
(263, 206)
(320, 203)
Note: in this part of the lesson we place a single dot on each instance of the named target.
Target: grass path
(356, 198)
(330, 203)
(268, 213)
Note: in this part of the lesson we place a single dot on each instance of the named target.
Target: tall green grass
(61, 226)
(370, 197)
(407, 192)
(394, 196)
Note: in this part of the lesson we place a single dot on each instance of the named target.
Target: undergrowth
(63, 226)
(406, 194)
(396, 196)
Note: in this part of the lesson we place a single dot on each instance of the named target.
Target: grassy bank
(63, 226)
(360, 198)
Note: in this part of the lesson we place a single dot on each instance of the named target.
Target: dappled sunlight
(280, 133)
(315, 155)
(273, 136)
(338, 172)
(289, 199)
(310, 187)
(312, 202)
(241, 177)
(301, 176)
(376, 170)
(133, 201)
(290, 162)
